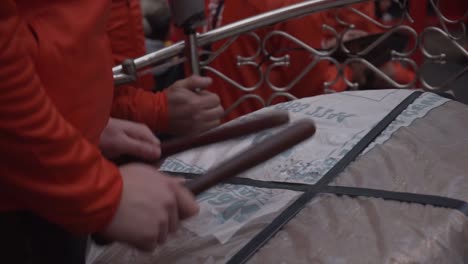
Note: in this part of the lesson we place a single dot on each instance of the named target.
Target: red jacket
(55, 98)
(135, 101)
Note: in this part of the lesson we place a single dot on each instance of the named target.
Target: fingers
(151, 207)
(142, 132)
(186, 202)
(141, 142)
(173, 220)
(181, 201)
(180, 206)
(194, 83)
(209, 115)
(179, 180)
(206, 126)
(209, 100)
(141, 149)
(163, 231)
(191, 112)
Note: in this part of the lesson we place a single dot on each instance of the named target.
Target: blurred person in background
(157, 27)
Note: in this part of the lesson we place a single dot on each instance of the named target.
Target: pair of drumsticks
(251, 157)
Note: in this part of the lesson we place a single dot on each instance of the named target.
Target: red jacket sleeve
(134, 102)
(47, 167)
(141, 106)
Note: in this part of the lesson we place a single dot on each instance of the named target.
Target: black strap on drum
(290, 212)
(433, 200)
(298, 187)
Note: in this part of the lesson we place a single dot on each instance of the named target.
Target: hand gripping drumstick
(251, 157)
(174, 146)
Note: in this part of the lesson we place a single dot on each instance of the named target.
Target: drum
(383, 180)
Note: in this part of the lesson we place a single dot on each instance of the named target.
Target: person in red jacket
(56, 186)
(177, 110)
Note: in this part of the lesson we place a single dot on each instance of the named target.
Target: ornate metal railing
(452, 31)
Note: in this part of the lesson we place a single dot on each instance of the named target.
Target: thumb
(187, 203)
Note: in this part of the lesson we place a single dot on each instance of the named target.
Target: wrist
(161, 119)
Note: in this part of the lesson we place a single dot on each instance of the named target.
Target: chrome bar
(237, 28)
(192, 53)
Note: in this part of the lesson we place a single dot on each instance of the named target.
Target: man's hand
(190, 111)
(151, 207)
(121, 137)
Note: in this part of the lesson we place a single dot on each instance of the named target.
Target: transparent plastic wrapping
(427, 156)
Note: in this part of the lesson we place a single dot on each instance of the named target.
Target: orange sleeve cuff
(142, 106)
(160, 123)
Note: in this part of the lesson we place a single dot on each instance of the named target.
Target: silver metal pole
(192, 52)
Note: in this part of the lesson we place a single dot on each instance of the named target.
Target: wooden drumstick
(227, 132)
(251, 157)
(177, 145)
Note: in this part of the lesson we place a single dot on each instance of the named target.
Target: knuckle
(156, 141)
(143, 127)
(164, 222)
(216, 98)
(195, 106)
(191, 105)
(177, 84)
(169, 202)
(140, 148)
(197, 117)
(212, 125)
(220, 112)
(211, 95)
(149, 241)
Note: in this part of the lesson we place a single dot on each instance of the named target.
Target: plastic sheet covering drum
(384, 180)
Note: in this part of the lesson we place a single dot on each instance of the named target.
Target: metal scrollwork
(264, 61)
(283, 61)
(243, 99)
(241, 62)
(389, 80)
(443, 20)
(441, 58)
